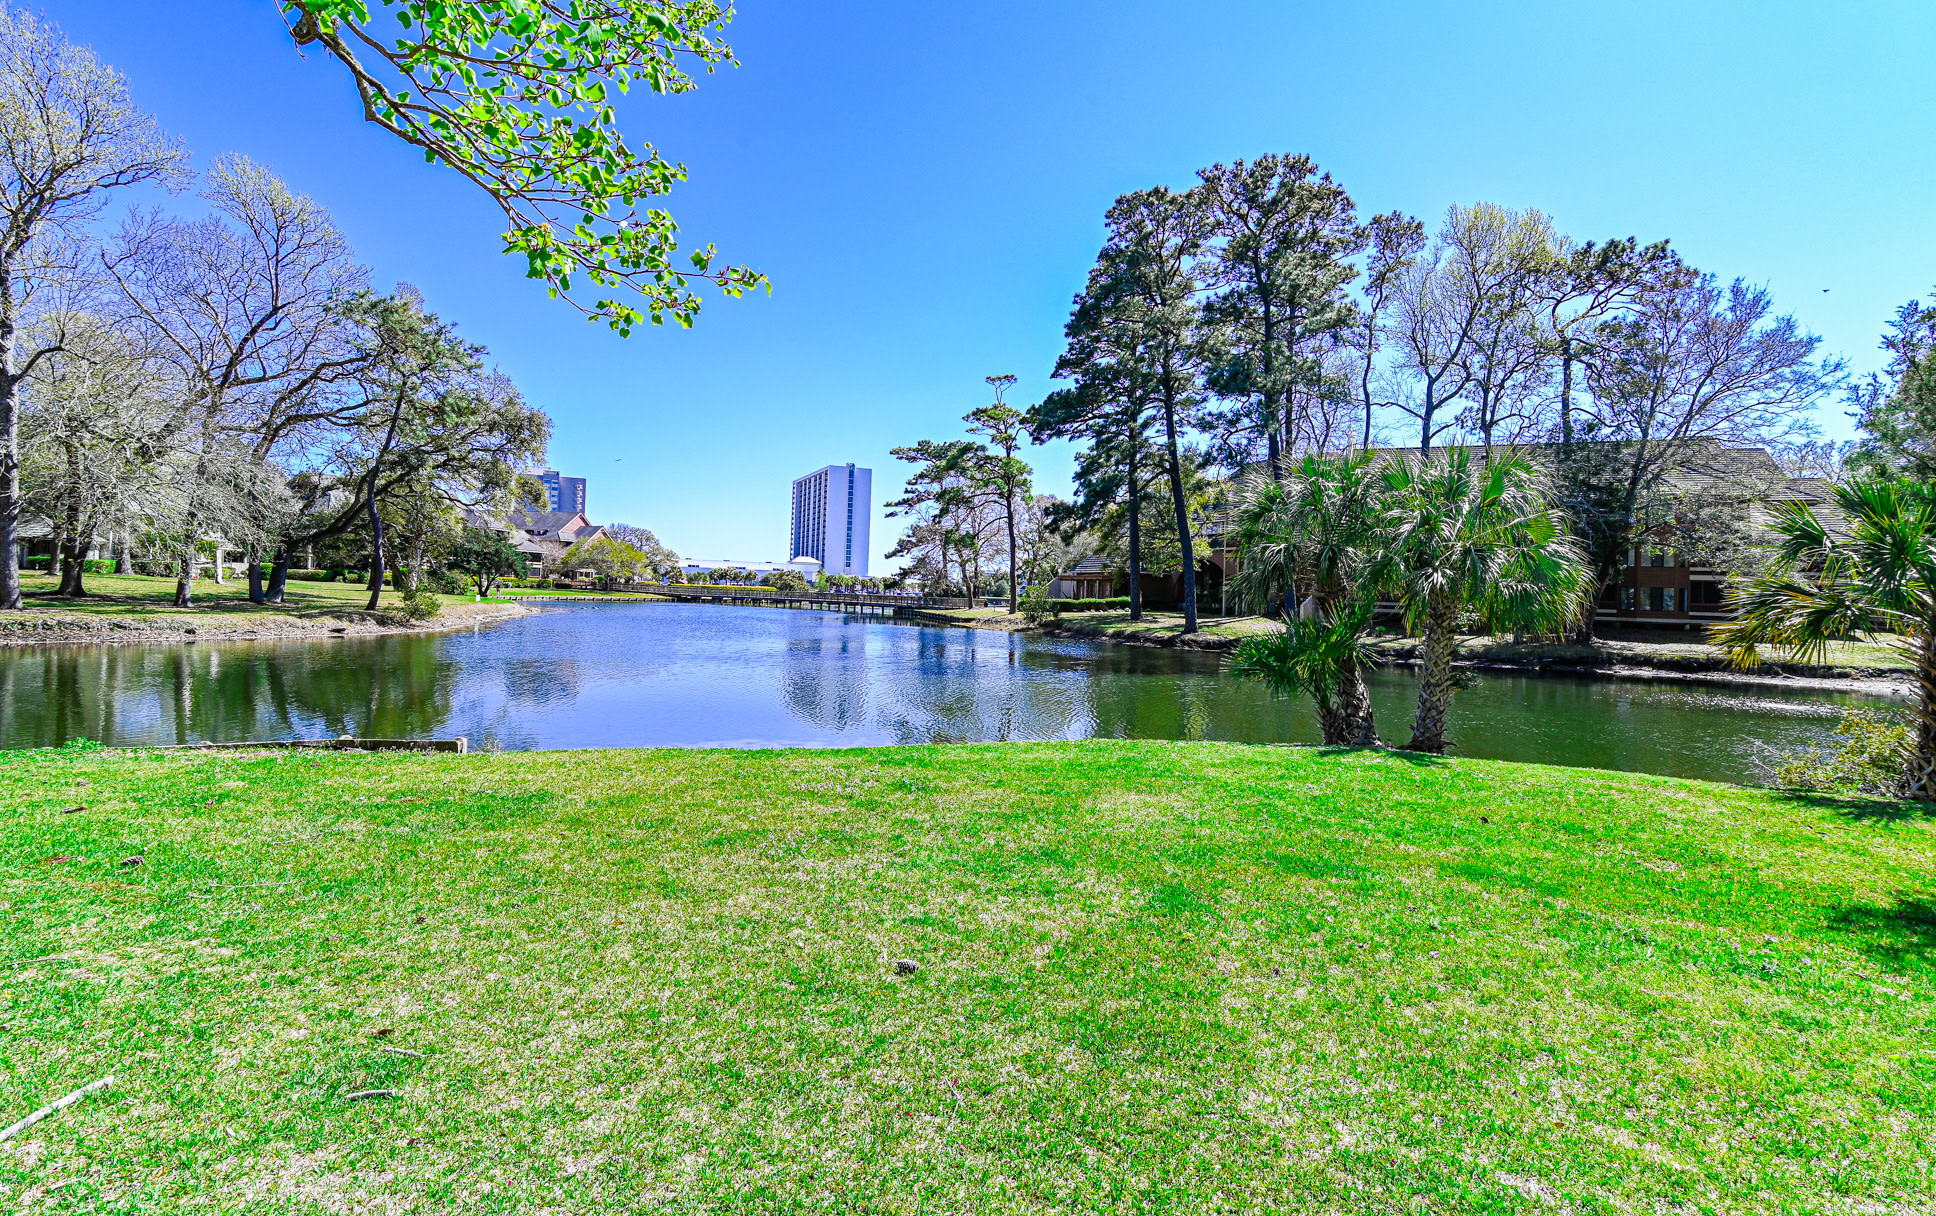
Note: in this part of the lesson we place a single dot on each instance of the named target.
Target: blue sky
(925, 184)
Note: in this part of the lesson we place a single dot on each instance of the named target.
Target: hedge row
(93, 565)
(1101, 605)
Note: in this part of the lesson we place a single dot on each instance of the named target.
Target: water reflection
(675, 674)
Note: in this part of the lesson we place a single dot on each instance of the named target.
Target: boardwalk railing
(860, 601)
(856, 599)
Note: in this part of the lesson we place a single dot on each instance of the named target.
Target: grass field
(135, 595)
(1152, 978)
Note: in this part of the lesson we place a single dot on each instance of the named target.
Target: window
(1659, 599)
(1705, 595)
(1626, 599)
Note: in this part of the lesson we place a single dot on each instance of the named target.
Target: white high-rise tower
(831, 508)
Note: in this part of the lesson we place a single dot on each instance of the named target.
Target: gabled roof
(1088, 565)
(563, 525)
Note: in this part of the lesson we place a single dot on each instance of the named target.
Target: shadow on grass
(299, 606)
(1421, 759)
(1857, 806)
(1903, 933)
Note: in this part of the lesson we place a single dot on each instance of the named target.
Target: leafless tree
(69, 136)
(249, 304)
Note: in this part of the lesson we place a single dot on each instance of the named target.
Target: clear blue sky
(925, 184)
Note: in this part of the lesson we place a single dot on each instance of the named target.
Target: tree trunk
(1435, 675)
(1334, 730)
(185, 572)
(415, 575)
(1586, 624)
(1135, 539)
(253, 556)
(1354, 704)
(124, 554)
(1566, 391)
(72, 556)
(1920, 782)
(376, 549)
(1014, 592)
(1182, 517)
(278, 577)
(9, 446)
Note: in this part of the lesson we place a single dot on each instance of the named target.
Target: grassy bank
(135, 595)
(1665, 650)
(1152, 977)
(138, 608)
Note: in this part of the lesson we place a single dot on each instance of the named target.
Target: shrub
(419, 605)
(1058, 607)
(1034, 605)
(1872, 758)
(36, 563)
(98, 565)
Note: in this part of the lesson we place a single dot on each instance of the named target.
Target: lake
(640, 675)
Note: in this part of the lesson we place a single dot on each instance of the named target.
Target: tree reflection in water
(398, 687)
(602, 675)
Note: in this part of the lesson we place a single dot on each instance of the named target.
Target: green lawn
(134, 595)
(1153, 978)
(1154, 624)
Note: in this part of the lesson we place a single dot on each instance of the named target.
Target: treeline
(1256, 317)
(176, 382)
(975, 524)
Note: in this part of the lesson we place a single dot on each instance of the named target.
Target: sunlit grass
(1153, 977)
(138, 595)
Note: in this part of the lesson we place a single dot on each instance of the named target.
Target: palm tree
(1308, 658)
(1472, 535)
(1879, 579)
(1317, 532)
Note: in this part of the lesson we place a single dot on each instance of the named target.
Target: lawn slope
(1152, 977)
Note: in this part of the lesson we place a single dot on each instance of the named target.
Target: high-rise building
(565, 493)
(831, 507)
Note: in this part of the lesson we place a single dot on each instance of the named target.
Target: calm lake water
(634, 675)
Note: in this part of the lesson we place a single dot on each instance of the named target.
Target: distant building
(698, 567)
(831, 509)
(564, 493)
(542, 536)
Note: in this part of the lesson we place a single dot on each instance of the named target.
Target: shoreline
(51, 628)
(1663, 669)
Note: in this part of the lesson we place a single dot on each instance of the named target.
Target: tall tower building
(831, 508)
(565, 493)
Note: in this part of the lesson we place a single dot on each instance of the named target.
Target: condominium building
(831, 508)
(565, 493)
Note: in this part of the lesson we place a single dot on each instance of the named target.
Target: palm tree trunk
(1920, 782)
(1435, 684)
(1354, 703)
(1333, 726)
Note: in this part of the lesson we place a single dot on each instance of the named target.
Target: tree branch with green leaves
(518, 97)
